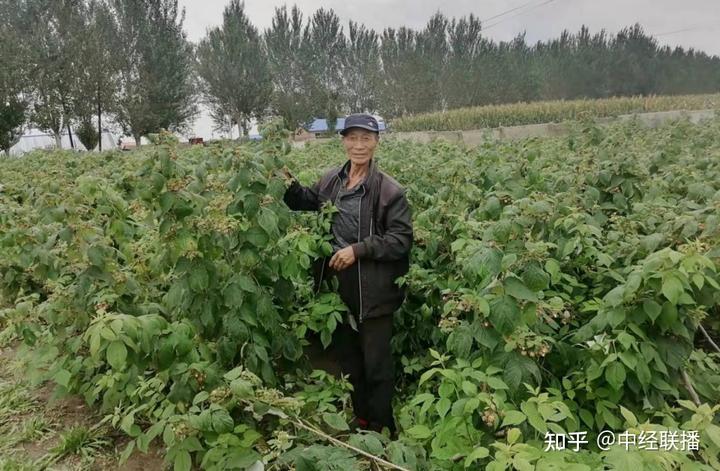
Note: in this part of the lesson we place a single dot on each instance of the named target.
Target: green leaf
(533, 416)
(257, 237)
(233, 296)
(127, 452)
(672, 288)
(62, 378)
(199, 279)
(96, 256)
(699, 280)
(116, 355)
(335, 421)
(643, 373)
(513, 417)
(652, 309)
(513, 436)
(367, 443)
(614, 297)
(460, 341)
(496, 383)
(535, 278)
(486, 337)
(222, 422)
(629, 417)
(183, 462)
(268, 220)
(504, 314)
(587, 417)
(713, 432)
(553, 268)
(471, 405)
(668, 316)
(517, 289)
(469, 388)
(443, 406)
(477, 454)
(241, 388)
(419, 432)
(615, 375)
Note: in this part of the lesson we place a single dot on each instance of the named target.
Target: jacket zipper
(322, 270)
(358, 262)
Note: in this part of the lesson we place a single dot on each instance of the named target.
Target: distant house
(319, 126)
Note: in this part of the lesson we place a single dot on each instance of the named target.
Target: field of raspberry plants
(556, 286)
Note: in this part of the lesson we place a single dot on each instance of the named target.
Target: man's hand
(285, 174)
(342, 259)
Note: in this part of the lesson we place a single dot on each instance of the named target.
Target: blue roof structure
(320, 125)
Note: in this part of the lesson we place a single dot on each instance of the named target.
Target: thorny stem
(300, 423)
(690, 389)
(709, 339)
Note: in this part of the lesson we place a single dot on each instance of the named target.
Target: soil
(63, 414)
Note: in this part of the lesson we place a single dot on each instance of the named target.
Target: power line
(517, 14)
(691, 28)
(507, 11)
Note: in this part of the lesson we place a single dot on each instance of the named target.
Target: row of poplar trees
(81, 64)
(129, 62)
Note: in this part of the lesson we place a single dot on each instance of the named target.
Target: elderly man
(372, 238)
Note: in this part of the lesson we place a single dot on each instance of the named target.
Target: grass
(82, 441)
(32, 438)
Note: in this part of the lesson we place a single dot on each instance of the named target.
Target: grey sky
(688, 23)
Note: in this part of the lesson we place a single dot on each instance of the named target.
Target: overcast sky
(689, 23)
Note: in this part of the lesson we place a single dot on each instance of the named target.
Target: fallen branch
(708, 338)
(690, 389)
(376, 459)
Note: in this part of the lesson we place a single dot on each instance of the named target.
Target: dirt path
(38, 432)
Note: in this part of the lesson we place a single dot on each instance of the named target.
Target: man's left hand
(342, 259)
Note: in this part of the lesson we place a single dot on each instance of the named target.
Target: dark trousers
(365, 355)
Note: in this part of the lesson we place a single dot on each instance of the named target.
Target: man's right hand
(287, 176)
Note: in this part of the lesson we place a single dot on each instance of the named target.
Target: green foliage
(556, 286)
(234, 68)
(87, 134)
(155, 62)
(492, 116)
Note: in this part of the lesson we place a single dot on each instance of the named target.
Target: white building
(34, 139)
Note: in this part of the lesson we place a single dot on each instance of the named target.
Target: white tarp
(34, 139)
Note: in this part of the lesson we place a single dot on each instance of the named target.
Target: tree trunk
(99, 116)
(7, 152)
(72, 144)
(137, 140)
(58, 140)
(240, 124)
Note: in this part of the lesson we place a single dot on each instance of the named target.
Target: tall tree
(403, 74)
(156, 86)
(459, 84)
(234, 68)
(290, 76)
(97, 74)
(362, 71)
(634, 62)
(13, 83)
(325, 47)
(432, 47)
(53, 28)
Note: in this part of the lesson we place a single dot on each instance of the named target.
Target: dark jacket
(385, 236)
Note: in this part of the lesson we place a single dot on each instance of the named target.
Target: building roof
(320, 124)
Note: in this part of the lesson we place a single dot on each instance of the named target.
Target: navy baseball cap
(360, 120)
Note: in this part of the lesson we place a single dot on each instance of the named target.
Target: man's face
(360, 145)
